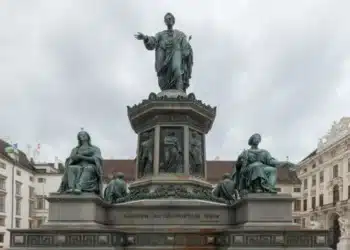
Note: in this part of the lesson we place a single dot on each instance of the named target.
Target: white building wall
(20, 175)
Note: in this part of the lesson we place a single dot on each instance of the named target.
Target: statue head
(254, 140)
(83, 136)
(119, 175)
(169, 20)
(226, 176)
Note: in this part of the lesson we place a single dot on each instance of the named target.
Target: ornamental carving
(171, 191)
(336, 181)
(153, 98)
(337, 132)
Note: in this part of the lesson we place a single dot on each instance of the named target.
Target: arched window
(336, 196)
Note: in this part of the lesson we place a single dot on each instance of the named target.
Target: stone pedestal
(344, 243)
(261, 211)
(255, 222)
(171, 114)
(76, 211)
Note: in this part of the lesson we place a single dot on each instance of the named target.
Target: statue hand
(76, 157)
(140, 36)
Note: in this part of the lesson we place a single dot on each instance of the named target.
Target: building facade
(24, 186)
(325, 177)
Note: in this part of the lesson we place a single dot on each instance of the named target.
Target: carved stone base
(262, 211)
(169, 224)
(170, 186)
(86, 210)
(205, 240)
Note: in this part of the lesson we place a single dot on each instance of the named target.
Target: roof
(216, 169)
(23, 161)
(312, 154)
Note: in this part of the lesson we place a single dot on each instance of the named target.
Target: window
(297, 205)
(336, 195)
(303, 223)
(305, 205)
(314, 180)
(321, 200)
(18, 173)
(2, 204)
(320, 160)
(2, 183)
(18, 188)
(31, 192)
(31, 208)
(348, 192)
(41, 180)
(1, 238)
(314, 165)
(31, 223)
(2, 221)
(313, 202)
(296, 190)
(40, 221)
(297, 220)
(18, 223)
(18, 206)
(335, 171)
(305, 184)
(31, 178)
(321, 177)
(40, 202)
(278, 190)
(333, 153)
(2, 165)
(305, 170)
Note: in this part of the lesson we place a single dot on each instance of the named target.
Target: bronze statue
(226, 189)
(116, 188)
(146, 154)
(256, 169)
(196, 153)
(172, 154)
(174, 56)
(83, 168)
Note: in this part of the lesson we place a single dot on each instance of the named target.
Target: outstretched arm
(150, 42)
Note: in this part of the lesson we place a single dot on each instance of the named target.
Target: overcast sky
(281, 68)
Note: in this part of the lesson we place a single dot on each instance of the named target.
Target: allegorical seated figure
(226, 189)
(83, 168)
(256, 169)
(116, 188)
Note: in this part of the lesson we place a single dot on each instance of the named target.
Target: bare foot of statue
(69, 191)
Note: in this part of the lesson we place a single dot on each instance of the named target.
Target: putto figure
(116, 188)
(83, 168)
(174, 56)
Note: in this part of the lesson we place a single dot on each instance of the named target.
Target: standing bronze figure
(174, 56)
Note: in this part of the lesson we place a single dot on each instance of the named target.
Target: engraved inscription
(169, 215)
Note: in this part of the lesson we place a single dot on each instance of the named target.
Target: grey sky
(281, 68)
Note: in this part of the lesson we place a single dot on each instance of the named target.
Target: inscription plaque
(190, 216)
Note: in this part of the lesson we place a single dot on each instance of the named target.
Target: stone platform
(258, 221)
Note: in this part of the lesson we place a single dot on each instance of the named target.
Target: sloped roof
(22, 161)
